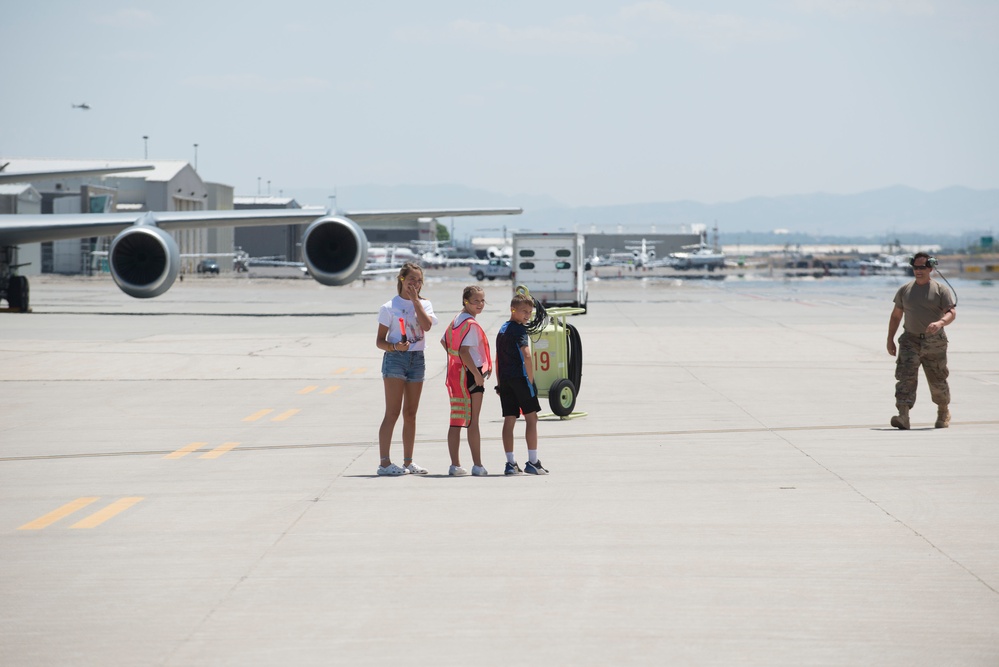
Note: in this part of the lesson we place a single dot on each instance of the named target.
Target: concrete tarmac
(189, 480)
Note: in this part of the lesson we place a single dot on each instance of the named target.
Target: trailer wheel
(562, 397)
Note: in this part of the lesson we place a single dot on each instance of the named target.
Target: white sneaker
(392, 470)
(457, 471)
(479, 471)
(414, 469)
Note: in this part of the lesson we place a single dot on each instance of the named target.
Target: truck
(492, 269)
(552, 266)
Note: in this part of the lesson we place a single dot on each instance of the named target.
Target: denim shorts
(408, 366)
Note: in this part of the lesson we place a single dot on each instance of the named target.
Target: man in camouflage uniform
(928, 307)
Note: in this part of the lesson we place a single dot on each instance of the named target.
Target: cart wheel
(562, 397)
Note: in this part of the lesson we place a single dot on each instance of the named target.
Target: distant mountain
(896, 211)
(889, 211)
(417, 196)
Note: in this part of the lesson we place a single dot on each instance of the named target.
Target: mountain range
(897, 211)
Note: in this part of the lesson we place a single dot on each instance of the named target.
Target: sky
(588, 102)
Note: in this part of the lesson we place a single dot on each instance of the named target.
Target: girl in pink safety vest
(469, 363)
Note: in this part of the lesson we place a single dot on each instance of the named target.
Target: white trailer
(552, 266)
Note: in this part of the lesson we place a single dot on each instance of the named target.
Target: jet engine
(144, 261)
(335, 250)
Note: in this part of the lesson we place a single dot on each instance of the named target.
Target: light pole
(145, 146)
(195, 157)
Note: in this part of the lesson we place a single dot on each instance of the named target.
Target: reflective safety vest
(454, 380)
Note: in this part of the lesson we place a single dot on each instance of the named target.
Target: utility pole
(145, 146)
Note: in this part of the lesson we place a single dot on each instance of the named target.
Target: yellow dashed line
(99, 517)
(220, 450)
(311, 388)
(64, 511)
(340, 370)
(258, 414)
(285, 415)
(359, 370)
(331, 389)
(184, 451)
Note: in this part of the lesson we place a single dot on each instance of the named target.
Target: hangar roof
(163, 170)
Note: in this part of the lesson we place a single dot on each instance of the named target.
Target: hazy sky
(590, 102)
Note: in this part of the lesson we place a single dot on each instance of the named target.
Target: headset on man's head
(930, 261)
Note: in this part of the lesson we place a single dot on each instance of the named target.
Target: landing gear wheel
(562, 397)
(17, 293)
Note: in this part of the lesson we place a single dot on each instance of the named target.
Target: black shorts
(518, 395)
(470, 382)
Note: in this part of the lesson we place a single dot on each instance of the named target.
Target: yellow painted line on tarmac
(286, 415)
(340, 370)
(331, 389)
(258, 414)
(359, 370)
(308, 390)
(100, 516)
(220, 450)
(185, 450)
(55, 515)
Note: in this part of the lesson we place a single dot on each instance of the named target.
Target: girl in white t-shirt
(402, 326)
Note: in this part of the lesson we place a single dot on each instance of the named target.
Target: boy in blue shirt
(517, 391)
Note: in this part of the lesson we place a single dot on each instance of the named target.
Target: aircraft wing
(18, 229)
(360, 217)
(30, 176)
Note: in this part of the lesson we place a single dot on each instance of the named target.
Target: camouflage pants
(931, 354)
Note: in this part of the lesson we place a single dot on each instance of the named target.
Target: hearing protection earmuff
(930, 261)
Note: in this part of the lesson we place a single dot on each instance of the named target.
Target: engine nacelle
(335, 251)
(144, 261)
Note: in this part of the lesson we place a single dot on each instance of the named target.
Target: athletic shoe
(392, 470)
(414, 469)
(535, 468)
(457, 471)
(479, 471)
(512, 469)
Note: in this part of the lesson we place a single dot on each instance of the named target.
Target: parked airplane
(701, 256)
(390, 256)
(642, 254)
(144, 259)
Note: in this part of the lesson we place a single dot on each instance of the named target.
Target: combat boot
(901, 420)
(943, 417)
